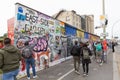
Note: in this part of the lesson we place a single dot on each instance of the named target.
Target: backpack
(27, 52)
(74, 50)
(99, 47)
(86, 54)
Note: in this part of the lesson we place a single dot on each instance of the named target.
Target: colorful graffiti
(41, 45)
(49, 38)
(42, 32)
(10, 23)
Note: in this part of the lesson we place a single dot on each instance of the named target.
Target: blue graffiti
(21, 17)
(20, 9)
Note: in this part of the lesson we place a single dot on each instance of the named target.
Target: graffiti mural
(42, 32)
(64, 47)
(10, 24)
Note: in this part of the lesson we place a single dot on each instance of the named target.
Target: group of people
(82, 53)
(10, 58)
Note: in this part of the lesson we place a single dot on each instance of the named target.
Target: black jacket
(75, 51)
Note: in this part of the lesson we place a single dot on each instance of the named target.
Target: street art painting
(50, 39)
(64, 47)
(10, 24)
(86, 35)
(93, 37)
(70, 32)
(43, 33)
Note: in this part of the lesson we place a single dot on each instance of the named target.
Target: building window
(67, 18)
(76, 18)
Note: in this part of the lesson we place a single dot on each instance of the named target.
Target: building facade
(69, 17)
(84, 22)
(89, 23)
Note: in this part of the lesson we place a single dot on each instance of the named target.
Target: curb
(116, 68)
(118, 62)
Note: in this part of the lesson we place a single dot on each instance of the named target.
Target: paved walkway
(64, 71)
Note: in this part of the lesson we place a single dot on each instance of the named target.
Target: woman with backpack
(85, 54)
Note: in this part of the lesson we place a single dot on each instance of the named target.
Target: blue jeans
(10, 75)
(30, 62)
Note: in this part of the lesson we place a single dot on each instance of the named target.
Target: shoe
(86, 74)
(78, 72)
(101, 64)
(34, 76)
(75, 71)
(28, 77)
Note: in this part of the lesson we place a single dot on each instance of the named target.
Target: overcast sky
(82, 7)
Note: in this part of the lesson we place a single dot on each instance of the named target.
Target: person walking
(10, 58)
(75, 52)
(94, 49)
(113, 45)
(27, 54)
(99, 52)
(85, 54)
(105, 48)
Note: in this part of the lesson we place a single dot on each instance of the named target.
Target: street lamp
(114, 25)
